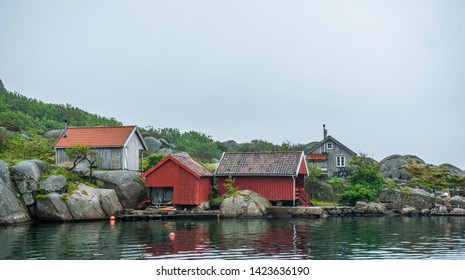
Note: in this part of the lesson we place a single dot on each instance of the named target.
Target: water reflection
(336, 238)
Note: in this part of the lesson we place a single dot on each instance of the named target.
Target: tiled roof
(317, 157)
(193, 165)
(95, 136)
(265, 163)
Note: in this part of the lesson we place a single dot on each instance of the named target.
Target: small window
(340, 161)
(329, 145)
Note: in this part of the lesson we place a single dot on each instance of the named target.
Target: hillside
(30, 116)
(30, 119)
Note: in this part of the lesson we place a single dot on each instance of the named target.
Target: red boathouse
(279, 176)
(178, 180)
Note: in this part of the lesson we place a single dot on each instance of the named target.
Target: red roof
(187, 163)
(317, 157)
(96, 136)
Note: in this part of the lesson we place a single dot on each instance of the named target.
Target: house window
(340, 161)
(329, 145)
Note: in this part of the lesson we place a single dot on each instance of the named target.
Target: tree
(79, 153)
(364, 183)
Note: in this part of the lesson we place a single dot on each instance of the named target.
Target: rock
(26, 176)
(454, 170)
(25, 137)
(360, 205)
(54, 184)
(417, 198)
(393, 167)
(127, 184)
(109, 202)
(4, 130)
(164, 143)
(457, 202)
(375, 208)
(182, 154)
(82, 168)
(408, 210)
(458, 212)
(84, 204)
(53, 134)
(425, 212)
(442, 210)
(12, 210)
(53, 208)
(245, 204)
(166, 151)
(314, 211)
(5, 176)
(153, 144)
(204, 206)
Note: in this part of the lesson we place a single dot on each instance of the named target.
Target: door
(160, 195)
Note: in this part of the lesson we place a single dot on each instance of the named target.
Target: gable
(186, 163)
(320, 148)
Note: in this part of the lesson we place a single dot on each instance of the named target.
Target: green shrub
(152, 160)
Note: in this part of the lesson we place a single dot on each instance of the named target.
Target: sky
(386, 77)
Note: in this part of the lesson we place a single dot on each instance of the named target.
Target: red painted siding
(187, 189)
(273, 188)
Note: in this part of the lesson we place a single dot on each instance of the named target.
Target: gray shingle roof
(259, 164)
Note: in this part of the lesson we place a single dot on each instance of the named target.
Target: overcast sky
(386, 77)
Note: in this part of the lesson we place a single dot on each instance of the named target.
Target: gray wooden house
(118, 147)
(330, 155)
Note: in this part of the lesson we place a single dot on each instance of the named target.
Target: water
(321, 239)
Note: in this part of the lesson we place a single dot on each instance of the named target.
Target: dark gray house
(330, 155)
(119, 147)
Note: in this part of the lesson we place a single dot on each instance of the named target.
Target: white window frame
(340, 161)
(329, 145)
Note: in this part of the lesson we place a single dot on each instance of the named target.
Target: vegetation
(364, 183)
(434, 177)
(79, 153)
(152, 160)
(22, 114)
(232, 190)
(15, 148)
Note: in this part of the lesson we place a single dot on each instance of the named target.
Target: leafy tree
(79, 153)
(364, 183)
(198, 145)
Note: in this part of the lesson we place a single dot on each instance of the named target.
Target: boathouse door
(160, 195)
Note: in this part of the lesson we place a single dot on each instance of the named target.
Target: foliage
(152, 160)
(364, 183)
(15, 148)
(434, 177)
(198, 145)
(27, 115)
(314, 174)
(324, 203)
(232, 190)
(79, 153)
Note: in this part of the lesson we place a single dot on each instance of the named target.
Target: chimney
(64, 132)
(325, 131)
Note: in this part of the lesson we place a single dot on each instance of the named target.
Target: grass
(324, 203)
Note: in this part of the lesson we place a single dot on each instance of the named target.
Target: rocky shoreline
(28, 193)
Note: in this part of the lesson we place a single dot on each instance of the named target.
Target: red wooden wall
(187, 189)
(274, 188)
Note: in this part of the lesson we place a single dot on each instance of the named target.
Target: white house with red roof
(118, 147)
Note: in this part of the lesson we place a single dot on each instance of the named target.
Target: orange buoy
(112, 218)
(172, 235)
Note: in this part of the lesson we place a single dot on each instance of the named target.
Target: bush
(364, 183)
(152, 160)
